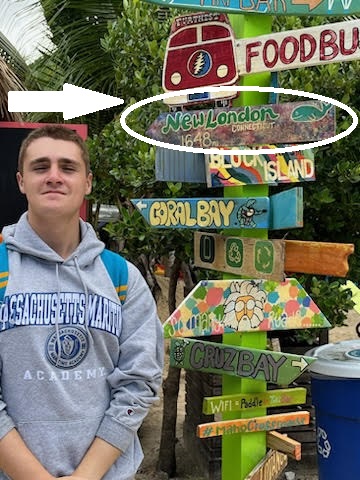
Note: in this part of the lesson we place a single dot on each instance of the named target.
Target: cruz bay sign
(292, 122)
(268, 7)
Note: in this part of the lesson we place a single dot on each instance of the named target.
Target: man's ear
(89, 183)
(20, 182)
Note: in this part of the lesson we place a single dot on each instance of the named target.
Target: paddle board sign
(249, 401)
(268, 7)
(293, 122)
(215, 307)
(270, 467)
(270, 258)
(205, 212)
(273, 367)
(235, 170)
(250, 257)
(200, 52)
(328, 43)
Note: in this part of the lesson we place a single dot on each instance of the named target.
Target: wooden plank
(328, 43)
(268, 7)
(205, 212)
(282, 443)
(213, 308)
(249, 401)
(210, 357)
(234, 254)
(321, 258)
(251, 425)
(252, 257)
(287, 209)
(232, 170)
(179, 166)
(292, 122)
(270, 467)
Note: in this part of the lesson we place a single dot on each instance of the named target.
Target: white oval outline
(237, 88)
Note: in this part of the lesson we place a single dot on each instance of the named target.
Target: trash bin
(335, 390)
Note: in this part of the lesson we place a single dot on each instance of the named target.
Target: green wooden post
(241, 452)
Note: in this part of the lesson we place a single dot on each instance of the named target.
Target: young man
(80, 363)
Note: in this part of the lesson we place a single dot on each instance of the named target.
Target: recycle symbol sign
(323, 444)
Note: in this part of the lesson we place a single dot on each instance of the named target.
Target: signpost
(233, 170)
(293, 122)
(282, 211)
(274, 367)
(270, 467)
(329, 43)
(215, 307)
(268, 7)
(257, 258)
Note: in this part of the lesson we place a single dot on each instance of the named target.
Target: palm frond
(8, 81)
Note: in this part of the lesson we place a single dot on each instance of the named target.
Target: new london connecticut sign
(287, 122)
(269, 7)
(226, 306)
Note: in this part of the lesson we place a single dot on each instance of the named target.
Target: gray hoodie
(106, 373)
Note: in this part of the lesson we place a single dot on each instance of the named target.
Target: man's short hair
(56, 132)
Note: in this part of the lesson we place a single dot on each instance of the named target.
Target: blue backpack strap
(118, 271)
(4, 270)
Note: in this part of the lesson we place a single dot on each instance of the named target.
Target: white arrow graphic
(73, 101)
(140, 205)
(302, 364)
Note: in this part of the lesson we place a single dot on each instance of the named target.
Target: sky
(25, 29)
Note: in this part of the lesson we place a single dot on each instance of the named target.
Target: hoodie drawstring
(78, 269)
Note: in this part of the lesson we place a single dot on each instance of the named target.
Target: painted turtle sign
(268, 7)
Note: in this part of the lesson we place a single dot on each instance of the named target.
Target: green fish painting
(310, 113)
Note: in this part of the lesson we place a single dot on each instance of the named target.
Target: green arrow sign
(268, 7)
(273, 367)
(215, 307)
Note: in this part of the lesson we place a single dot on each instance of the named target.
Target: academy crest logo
(74, 346)
(199, 64)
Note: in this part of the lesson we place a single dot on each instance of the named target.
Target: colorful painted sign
(273, 367)
(270, 467)
(215, 307)
(259, 258)
(200, 52)
(249, 401)
(293, 122)
(232, 170)
(268, 7)
(252, 425)
(287, 209)
(205, 212)
(328, 43)
(251, 257)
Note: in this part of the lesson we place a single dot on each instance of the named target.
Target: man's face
(54, 178)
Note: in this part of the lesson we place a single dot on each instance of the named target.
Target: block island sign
(329, 43)
(273, 367)
(232, 170)
(293, 122)
(268, 7)
(215, 307)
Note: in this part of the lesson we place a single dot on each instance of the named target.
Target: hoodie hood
(21, 238)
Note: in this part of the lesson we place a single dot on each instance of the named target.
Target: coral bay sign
(329, 43)
(274, 367)
(215, 307)
(268, 7)
(292, 122)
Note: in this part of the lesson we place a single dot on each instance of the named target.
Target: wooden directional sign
(287, 209)
(248, 401)
(252, 425)
(232, 170)
(258, 258)
(293, 122)
(250, 257)
(205, 212)
(215, 307)
(268, 7)
(328, 43)
(270, 467)
(274, 367)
